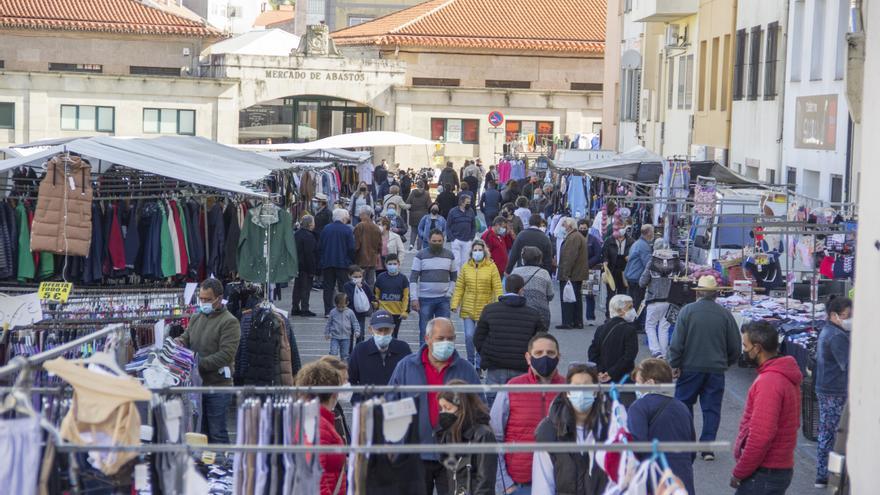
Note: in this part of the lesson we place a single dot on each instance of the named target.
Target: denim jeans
(214, 407)
(590, 303)
(709, 388)
(766, 482)
(430, 308)
(470, 326)
(498, 376)
(340, 348)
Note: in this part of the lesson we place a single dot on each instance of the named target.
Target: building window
(94, 68)
(791, 178)
(497, 83)
(754, 62)
(88, 118)
(2, 64)
(818, 35)
(316, 11)
(836, 188)
(579, 86)
(169, 121)
(689, 83)
(139, 70)
(7, 115)
(435, 81)
(682, 72)
(770, 176)
(465, 131)
(514, 129)
(631, 83)
(770, 65)
(701, 95)
(354, 20)
(797, 40)
(713, 82)
(670, 82)
(725, 73)
(739, 63)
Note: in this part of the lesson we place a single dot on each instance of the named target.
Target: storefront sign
(312, 75)
(496, 118)
(55, 291)
(453, 130)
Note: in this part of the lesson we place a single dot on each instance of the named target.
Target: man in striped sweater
(432, 281)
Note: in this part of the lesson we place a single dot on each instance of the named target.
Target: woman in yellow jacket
(478, 284)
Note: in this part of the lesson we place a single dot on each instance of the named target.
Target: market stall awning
(587, 160)
(369, 139)
(319, 155)
(187, 158)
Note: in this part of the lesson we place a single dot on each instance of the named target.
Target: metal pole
(22, 362)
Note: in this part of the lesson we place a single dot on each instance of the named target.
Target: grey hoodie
(657, 277)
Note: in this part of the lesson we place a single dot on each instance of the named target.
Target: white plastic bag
(361, 302)
(568, 293)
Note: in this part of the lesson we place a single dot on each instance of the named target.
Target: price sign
(55, 291)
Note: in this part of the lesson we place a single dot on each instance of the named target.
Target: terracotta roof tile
(112, 16)
(549, 25)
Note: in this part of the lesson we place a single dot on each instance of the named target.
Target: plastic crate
(809, 410)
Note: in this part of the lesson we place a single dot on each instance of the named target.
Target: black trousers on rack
(302, 290)
(334, 281)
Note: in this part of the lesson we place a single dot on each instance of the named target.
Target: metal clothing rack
(24, 363)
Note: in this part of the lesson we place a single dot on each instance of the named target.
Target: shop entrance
(300, 119)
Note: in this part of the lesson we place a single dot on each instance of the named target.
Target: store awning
(320, 155)
(587, 160)
(187, 158)
(369, 139)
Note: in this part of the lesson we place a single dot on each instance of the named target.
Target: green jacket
(167, 251)
(283, 263)
(26, 268)
(215, 339)
(706, 338)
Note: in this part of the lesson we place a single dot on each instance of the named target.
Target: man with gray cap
(373, 361)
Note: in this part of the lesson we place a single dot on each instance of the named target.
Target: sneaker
(708, 456)
(821, 484)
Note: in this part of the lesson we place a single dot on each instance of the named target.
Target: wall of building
(815, 68)
(38, 97)
(653, 109)
(611, 80)
(341, 12)
(756, 127)
(679, 110)
(714, 73)
(31, 50)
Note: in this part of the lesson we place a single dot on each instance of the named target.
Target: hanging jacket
(26, 269)
(524, 412)
(282, 264)
(769, 428)
(216, 241)
(132, 244)
(264, 349)
(116, 244)
(8, 236)
(56, 200)
(196, 238)
(477, 285)
(93, 271)
(472, 474)
(232, 236)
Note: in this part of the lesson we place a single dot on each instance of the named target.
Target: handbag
(608, 278)
(568, 295)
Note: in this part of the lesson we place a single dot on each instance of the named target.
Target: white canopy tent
(592, 160)
(369, 139)
(187, 158)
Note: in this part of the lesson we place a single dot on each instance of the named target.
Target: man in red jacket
(499, 240)
(764, 448)
(515, 415)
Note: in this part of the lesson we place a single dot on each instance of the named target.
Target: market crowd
(497, 254)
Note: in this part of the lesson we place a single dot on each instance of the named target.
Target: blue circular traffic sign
(496, 118)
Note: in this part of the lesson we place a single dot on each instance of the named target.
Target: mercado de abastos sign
(316, 75)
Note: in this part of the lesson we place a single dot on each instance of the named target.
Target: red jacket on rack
(769, 427)
(332, 465)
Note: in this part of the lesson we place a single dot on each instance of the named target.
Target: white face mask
(631, 315)
(345, 396)
(846, 324)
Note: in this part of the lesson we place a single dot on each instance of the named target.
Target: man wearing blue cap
(373, 361)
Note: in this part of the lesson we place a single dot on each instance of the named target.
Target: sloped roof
(111, 16)
(270, 17)
(549, 25)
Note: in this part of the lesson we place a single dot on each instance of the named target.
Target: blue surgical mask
(502, 231)
(442, 350)
(392, 213)
(581, 400)
(382, 341)
(393, 269)
(206, 308)
(478, 256)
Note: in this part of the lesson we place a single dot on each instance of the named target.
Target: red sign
(496, 118)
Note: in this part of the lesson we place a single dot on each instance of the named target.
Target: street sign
(496, 118)
(495, 130)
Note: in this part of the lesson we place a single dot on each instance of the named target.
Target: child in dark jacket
(353, 288)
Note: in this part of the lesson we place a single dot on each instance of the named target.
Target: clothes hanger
(106, 360)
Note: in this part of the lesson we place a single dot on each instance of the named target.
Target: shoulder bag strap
(610, 332)
(659, 412)
(339, 480)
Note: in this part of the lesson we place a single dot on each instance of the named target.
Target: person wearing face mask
(615, 252)
(538, 201)
(431, 281)
(339, 421)
(499, 241)
(516, 415)
(436, 363)
(832, 372)
(539, 286)
(574, 416)
(660, 416)
(214, 334)
(574, 269)
(391, 242)
(768, 432)
(392, 292)
(394, 198)
(419, 202)
(318, 374)
(532, 236)
(490, 201)
(464, 419)
(446, 199)
(461, 230)
(396, 222)
(477, 285)
(373, 361)
(594, 251)
(361, 197)
(639, 259)
(432, 221)
(616, 344)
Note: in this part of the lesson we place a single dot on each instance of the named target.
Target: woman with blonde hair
(478, 284)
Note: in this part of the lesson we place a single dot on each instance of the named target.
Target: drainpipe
(780, 166)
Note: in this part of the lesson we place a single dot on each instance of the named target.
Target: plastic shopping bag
(361, 302)
(568, 293)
